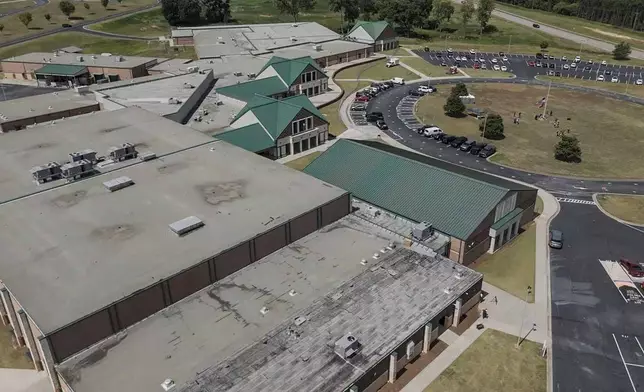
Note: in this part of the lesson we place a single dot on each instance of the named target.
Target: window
(308, 77)
(302, 125)
(296, 148)
(316, 90)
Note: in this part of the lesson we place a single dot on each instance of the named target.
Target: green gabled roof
(62, 70)
(255, 101)
(290, 69)
(304, 102)
(507, 218)
(392, 179)
(374, 29)
(248, 90)
(252, 138)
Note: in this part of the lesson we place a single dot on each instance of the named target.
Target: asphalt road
(36, 3)
(587, 309)
(520, 65)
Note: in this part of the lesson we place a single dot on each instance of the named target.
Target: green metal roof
(252, 138)
(290, 69)
(62, 70)
(507, 218)
(374, 29)
(248, 90)
(454, 203)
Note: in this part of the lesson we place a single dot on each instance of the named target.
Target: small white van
(397, 80)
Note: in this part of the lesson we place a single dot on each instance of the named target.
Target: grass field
(424, 67)
(332, 111)
(512, 267)
(95, 44)
(375, 70)
(13, 28)
(493, 364)
(626, 207)
(530, 144)
(301, 163)
(582, 26)
(10, 357)
(622, 88)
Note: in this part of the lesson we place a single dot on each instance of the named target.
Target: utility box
(88, 154)
(48, 172)
(122, 152)
(347, 346)
(422, 231)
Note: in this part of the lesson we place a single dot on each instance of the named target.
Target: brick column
(29, 339)
(48, 363)
(13, 318)
(393, 367)
(427, 338)
(458, 306)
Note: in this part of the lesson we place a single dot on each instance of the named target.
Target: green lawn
(493, 364)
(424, 67)
(512, 267)
(301, 163)
(144, 24)
(332, 111)
(10, 357)
(597, 30)
(530, 144)
(95, 44)
(13, 28)
(622, 88)
(375, 70)
(626, 207)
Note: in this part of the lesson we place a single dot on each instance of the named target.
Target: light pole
(545, 106)
(525, 304)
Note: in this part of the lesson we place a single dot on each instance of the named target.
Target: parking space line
(634, 364)
(624, 362)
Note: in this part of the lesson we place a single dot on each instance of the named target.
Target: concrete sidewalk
(23, 380)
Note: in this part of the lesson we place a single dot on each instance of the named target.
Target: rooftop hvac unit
(74, 170)
(118, 59)
(188, 86)
(168, 384)
(79, 58)
(118, 183)
(422, 231)
(293, 39)
(106, 54)
(48, 172)
(88, 154)
(122, 152)
(347, 346)
(192, 69)
(317, 47)
(174, 101)
(186, 225)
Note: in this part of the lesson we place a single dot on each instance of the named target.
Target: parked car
(375, 116)
(564, 58)
(551, 57)
(557, 73)
(415, 93)
(397, 80)
(632, 268)
(358, 107)
(447, 139)
(431, 131)
(476, 148)
(536, 25)
(66, 25)
(501, 54)
(639, 82)
(573, 65)
(450, 50)
(588, 68)
(487, 151)
(530, 63)
(589, 62)
(538, 63)
(477, 66)
(472, 51)
(504, 68)
(362, 98)
(438, 136)
(614, 79)
(483, 66)
(600, 78)
(388, 83)
(566, 66)
(426, 48)
(607, 72)
(577, 59)
(504, 58)
(604, 62)
(439, 54)
(556, 239)
(539, 55)
(551, 65)
(551, 73)
(467, 145)
(381, 124)
(426, 89)
(494, 61)
(456, 143)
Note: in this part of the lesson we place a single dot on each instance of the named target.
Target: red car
(531, 63)
(362, 98)
(634, 269)
(476, 66)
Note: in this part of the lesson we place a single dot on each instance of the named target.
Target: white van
(431, 131)
(397, 80)
(392, 62)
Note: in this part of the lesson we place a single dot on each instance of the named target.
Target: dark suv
(466, 146)
(487, 151)
(447, 139)
(476, 148)
(375, 116)
(456, 143)
(556, 239)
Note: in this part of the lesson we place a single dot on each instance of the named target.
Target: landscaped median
(302, 162)
(375, 70)
(493, 364)
(629, 208)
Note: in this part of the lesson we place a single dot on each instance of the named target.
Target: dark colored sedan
(487, 151)
(535, 25)
(438, 136)
(456, 143)
(466, 146)
(551, 65)
(415, 93)
(476, 148)
(447, 139)
(556, 239)
(588, 68)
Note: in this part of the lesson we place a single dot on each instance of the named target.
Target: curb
(608, 214)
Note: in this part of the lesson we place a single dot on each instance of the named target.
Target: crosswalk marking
(578, 201)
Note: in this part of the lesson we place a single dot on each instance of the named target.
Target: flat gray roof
(219, 338)
(89, 60)
(46, 142)
(329, 48)
(155, 95)
(87, 248)
(43, 104)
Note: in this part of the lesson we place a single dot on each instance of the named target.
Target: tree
(349, 10)
(47, 17)
(544, 45)
(119, 1)
(67, 8)
(484, 12)
(215, 11)
(104, 3)
(467, 11)
(87, 7)
(1, 28)
(454, 107)
(442, 10)
(190, 12)
(171, 10)
(293, 7)
(25, 18)
(459, 90)
(622, 51)
(567, 149)
(492, 127)
(405, 13)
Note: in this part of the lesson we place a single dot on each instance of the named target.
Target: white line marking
(397, 135)
(624, 362)
(634, 364)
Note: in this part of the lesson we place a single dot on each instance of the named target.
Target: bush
(488, 29)
(492, 127)
(460, 90)
(67, 8)
(622, 51)
(568, 149)
(454, 107)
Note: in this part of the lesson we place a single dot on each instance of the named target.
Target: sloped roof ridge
(425, 164)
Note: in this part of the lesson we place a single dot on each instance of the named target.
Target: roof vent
(422, 231)
(119, 59)
(447, 291)
(347, 346)
(74, 170)
(383, 250)
(293, 39)
(391, 246)
(168, 384)
(317, 47)
(186, 225)
(148, 156)
(292, 293)
(363, 261)
(118, 183)
(376, 255)
(294, 25)
(300, 320)
(80, 59)
(263, 310)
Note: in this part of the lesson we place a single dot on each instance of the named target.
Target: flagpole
(545, 106)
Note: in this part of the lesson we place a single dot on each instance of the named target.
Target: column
(3, 314)
(48, 363)
(13, 318)
(492, 243)
(29, 339)
(427, 338)
(457, 312)
(393, 365)
(290, 140)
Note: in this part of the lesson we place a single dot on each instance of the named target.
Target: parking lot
(520, 65)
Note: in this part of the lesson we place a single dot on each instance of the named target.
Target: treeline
(621, 13)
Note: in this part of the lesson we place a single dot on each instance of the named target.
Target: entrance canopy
(62, 70)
